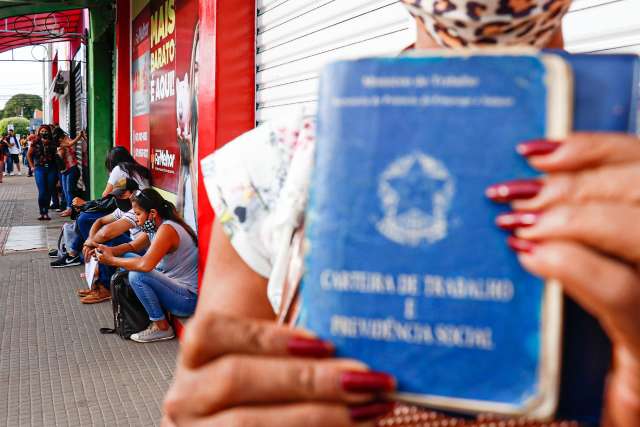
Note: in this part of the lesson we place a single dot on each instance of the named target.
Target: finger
(608, 289)
(299, 415)
(210, 335)
(609, 228)
(584, 150)
(602, 184)
(236, 380)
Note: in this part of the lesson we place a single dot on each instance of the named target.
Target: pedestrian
(69, 172)
(30, 139)
(24, 147)
(41, 157)
(2, 155)
(14, 153)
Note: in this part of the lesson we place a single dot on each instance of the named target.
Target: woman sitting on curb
(166, 276)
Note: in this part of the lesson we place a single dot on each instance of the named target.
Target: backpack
(105, 205)
(129, 315)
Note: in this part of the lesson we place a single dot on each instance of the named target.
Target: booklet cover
(404, 267)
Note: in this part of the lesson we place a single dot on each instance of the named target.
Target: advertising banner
(140, 95)
(165, 129)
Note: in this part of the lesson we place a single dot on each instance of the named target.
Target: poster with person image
(169, 130)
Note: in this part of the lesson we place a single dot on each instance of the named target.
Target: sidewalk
(56, 369)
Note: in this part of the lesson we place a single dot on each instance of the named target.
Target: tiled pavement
(56, 369)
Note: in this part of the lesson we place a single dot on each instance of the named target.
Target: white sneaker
(20, 173)
(4, 174)
(152, 334)
(11, 174)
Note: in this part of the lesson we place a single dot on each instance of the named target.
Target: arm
(166, 240)
(100, 222)
(107, 190)
(112, 230)
(71, 142)
(229, 285)
(30, 157)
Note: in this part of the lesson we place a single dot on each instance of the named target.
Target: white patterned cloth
(257, 185)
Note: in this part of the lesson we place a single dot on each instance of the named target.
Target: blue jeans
(84, 222)
(157, 291)
(25, 161)
(69, 182)
(46, 183)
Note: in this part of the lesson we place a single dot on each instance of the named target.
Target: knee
(136, 278)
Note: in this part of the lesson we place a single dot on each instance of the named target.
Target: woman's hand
(77, 201)
(104, 254)
(580, 224)
(234, 372)
(88, 249)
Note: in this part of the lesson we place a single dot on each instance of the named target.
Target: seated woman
(586, 236)
(121, 166)
(166, 276)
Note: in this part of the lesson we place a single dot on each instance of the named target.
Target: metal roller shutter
(605, 26)
(295, 38)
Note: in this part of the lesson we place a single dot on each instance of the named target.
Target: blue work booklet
(405, 268)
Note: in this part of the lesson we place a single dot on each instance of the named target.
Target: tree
(20, 125)
(23, 105)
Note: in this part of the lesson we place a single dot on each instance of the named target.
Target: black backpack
(105, 205)
(129, 315)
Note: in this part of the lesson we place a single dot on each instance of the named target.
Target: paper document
(90, 270)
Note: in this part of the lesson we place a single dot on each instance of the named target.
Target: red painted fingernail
(513, 220)
(309, 347)
(514, 190)
(367, 382)
(370, 411)
(521, 245)
(537, 147)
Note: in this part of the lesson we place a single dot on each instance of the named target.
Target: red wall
(227, 88)
(122, 116)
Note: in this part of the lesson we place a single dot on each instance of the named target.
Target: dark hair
(57, 134)
(149, 199)
(119, 156)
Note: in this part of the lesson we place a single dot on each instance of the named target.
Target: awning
(28, 30)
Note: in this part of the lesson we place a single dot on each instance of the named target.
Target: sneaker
(152, 333)
(53, 253)
(11, 174)
(67, 261)
(19, 173)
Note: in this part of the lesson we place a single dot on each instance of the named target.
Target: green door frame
(100, 74)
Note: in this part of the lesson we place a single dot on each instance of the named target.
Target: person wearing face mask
(111, 230)
(41, 157)
(165, 278)
(234, 325)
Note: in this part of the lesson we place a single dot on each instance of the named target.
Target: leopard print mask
(468, 23)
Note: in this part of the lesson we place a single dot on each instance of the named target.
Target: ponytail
(149, 199)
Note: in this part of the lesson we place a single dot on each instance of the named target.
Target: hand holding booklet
(404, 267)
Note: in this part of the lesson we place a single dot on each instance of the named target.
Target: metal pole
(44, 99)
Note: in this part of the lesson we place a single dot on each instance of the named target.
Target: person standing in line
(69, 173)
(25, 143)
(2, 157)
(41, 157)
(14, 153)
